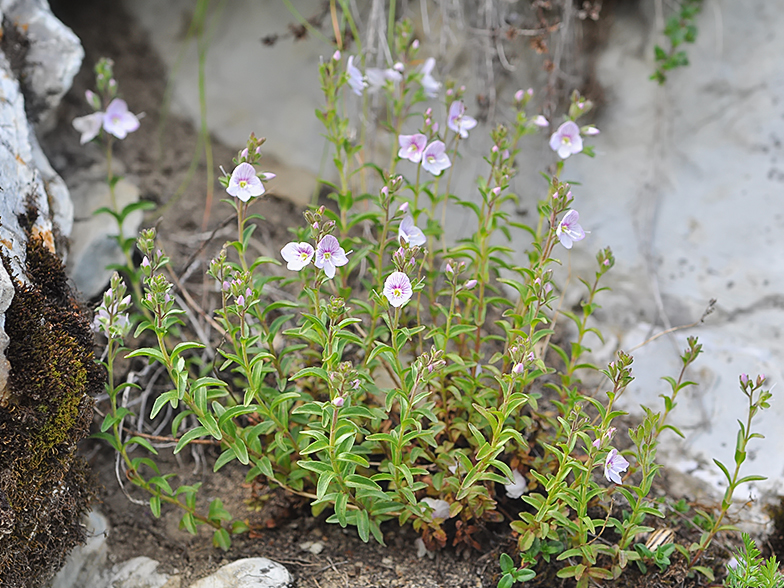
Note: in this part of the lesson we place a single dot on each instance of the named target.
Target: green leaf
(357, 481)
(155, 506)
(352, 458)
(224, 458)
(507, 564)
(170, 396)
(211, 425)
(184, 346)
(507, 581)
(705, 571)
(143, 442)
(188, 523)
(194, 433)
(363, 525)
(236, 411)
(221, 539)
(217, 512)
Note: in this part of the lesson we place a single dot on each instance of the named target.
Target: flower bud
(470, 284)
(336, 55)
(519, 95)
(338, 401)
(93, 99)
(541, 122)
(518, 368)
(415, 44)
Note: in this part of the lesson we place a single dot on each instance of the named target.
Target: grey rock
(25, 175)
(6, 296)
(92, 245)
(87, 563)
(140, 572)
(253, 572)
(53, 55)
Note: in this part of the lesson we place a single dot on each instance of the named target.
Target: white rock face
(52, 57)
(86, 563)
(139, 572)
(253, 572)
(93, 247)
(272, 91)
(686, 188)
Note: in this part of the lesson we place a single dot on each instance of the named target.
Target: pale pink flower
(329, 255)
(590, 130)
(338, 401)
(118, 120)
(429, 84)
(412, 147)
(410, 233)
(518, 368)
(470, 284)
(517, 487)
(377, 77)
(434, 159)
(244, 183)
(541, 122)
(458, 121)
(298, 255)
(89, 126)
(569, 230)
(614, 465)
(355, 79)
(439, 508)
(397, 289)
(567, 140)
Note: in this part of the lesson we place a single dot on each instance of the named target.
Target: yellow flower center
(243, 183)
(397, 292)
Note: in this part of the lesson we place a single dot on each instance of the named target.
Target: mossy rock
(44, 487)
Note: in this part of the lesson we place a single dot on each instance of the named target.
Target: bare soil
(281, 524)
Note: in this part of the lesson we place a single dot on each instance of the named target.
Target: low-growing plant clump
(410, 377)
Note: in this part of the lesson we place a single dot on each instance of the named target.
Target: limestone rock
(52, 55)
(253, 572)
(87, 563)
(92, 245)
(140, 572)
(47, 369)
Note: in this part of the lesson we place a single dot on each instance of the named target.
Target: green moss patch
(44, 487)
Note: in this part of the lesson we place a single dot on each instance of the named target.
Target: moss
(44, 486)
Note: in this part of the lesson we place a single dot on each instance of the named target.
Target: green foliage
(680, 29)
(752, 570)
(420, 410)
